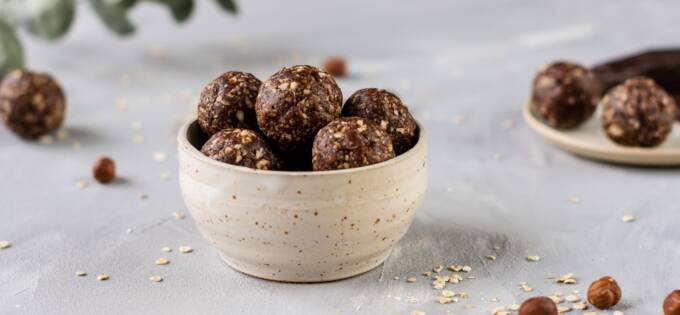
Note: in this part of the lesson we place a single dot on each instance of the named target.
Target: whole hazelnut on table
(671, 305)
(31, 104)
(336, 66)
(604, 293)
(565, 94)
(104, 170)
(539, 305)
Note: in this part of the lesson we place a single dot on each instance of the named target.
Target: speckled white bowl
(301, 226)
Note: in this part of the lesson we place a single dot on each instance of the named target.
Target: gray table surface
(464, 69)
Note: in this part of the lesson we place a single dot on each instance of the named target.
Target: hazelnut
(671, 305)
(539, 305)
(104, 170)
(336, 66)
(604, 293)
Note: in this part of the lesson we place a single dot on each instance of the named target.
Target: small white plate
(590, 141)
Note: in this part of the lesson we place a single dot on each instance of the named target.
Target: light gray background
(465, 61)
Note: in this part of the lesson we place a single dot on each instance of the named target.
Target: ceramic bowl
(301, 226)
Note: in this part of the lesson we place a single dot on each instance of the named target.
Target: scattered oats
(5, 244)
(500, 311)
(162, 261)
(395, 278)
(574, 199)
(444, 300)
(456, 268)
(497, 247)
(437, 268)
(463, 295)
(590, 313)
(165, 176)
(143, 196)
(525, 287)
(166, 249)
(46, 139)
(81, 184)
(617, 313)
(136, 125)
(179, 215)
(75, 146)
(466, 269)
(412, 299)
(102, 277)
(455, 278)
(494, 300)
(427, 274)
(507, 124)
(411, 279)
(159, 156)
(448, 293)
(491, 257)
(533, 258)
(121, 105)
(81, 273)
(185, 249)
(580, 306)
(566, 279)
(513, 307)
(418, 313)
(628, 218)
(572, 298)
(62, 134)
(138, 139)
(156, 278)
(438, 284)
(556, 299)
(128, 231)
(563, 308)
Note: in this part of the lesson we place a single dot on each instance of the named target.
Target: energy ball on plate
(294, 103)
(388, 112)
(31, 104)
(350, 142)
(565, 94)
(638, 112)
(228, 102)
(241, 147)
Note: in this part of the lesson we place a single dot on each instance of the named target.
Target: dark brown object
(228, 102)
(104, 170)
(539, 305)
(565, 95)
(388, 112)
(336, 66)
(604, 293)
(638, 112)
(294, 103)
(31, 104)
(671, 305)
(241, 147)
(350, 142)
(663, 66)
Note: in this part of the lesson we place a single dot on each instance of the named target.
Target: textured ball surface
(241, 147)
(228, 102)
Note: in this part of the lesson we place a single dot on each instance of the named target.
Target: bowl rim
(185, 145)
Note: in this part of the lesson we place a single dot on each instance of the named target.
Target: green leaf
(49, 19)
(181, 9)
(228, 5)
(11, 53)
(114, 14)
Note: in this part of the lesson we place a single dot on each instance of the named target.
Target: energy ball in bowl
(565, 94)
(241, 147)
(350, 142)
(388, 112)
(31, 104)
(228, 102)
(294, 103)
(638, 112)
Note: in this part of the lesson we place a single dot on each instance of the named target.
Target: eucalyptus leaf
(11, 53)
(228, 5)
(49, 19)
(114, 14)
(181, 9)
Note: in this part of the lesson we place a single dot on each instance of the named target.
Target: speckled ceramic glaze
(301, 226)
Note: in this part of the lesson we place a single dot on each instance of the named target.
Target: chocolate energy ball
(565, 94)
(638, 112)
(350, 142)
(228, 102)
(31, 104)
(388, 112)
(241, 147)
(294, 103)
